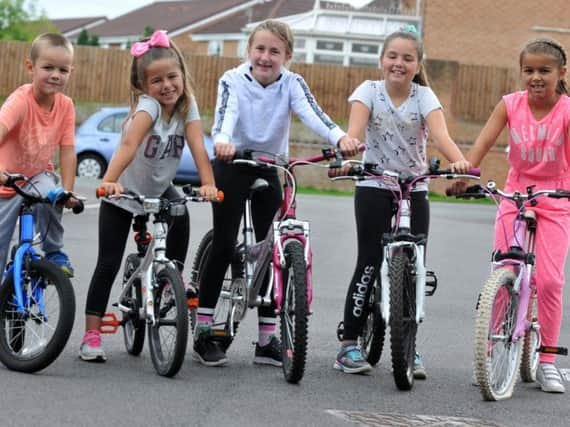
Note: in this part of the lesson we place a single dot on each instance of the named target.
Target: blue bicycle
(37, 302)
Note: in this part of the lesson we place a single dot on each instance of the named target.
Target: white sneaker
(91, 350)
(549, 379)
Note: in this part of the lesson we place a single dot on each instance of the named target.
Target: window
(300, 43)
(328, 59)
(112, 124)
(299, 57)
(330, 45)
(215, 47)
(365, 48)
(364, 61)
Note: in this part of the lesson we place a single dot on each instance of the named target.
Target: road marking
(378, 419)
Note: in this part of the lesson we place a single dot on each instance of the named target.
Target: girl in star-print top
(538, 119)
(393, 117)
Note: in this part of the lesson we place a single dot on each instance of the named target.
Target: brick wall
(489, 32)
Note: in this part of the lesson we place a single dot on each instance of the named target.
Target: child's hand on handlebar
(348, 146)
(224, 151)
(210, 192)
(3, 176)
(111, 188)
(461, 166)
(458, 187)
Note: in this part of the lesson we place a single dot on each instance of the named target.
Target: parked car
(98, 137)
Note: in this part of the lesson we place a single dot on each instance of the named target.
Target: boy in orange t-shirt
(36, 119)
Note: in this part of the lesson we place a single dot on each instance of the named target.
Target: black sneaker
(208, 351)
(269, 354)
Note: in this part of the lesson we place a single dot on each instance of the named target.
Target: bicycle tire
(133, 324)
(224, 306)
(494, 325)
(374, 330)
(170, 309)
(530, 358)
(403, 326)
(38, 340)
(294, 313)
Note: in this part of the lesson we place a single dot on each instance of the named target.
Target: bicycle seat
(258, 185)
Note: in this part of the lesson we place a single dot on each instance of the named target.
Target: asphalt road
(126, 391)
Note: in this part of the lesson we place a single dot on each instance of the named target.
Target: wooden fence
(102, 75)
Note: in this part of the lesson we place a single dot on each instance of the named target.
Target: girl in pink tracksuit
(538, 120)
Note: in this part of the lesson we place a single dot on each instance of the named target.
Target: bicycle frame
(152, 262)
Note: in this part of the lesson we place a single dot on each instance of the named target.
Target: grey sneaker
(269, 354)
(419, 369)
(91, 350)
(549, 379)
(208, 351)
(349, 360)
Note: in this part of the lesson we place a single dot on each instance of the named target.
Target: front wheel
(133, 321)
(169, 335)
(403, 326)
(497, 357)
(294, 313)
(374, 331)
(31, 341)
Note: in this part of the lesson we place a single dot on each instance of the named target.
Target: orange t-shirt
(33, 133)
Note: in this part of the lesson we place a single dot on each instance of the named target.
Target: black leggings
(373, 209)
(114, 226)
(235, 181)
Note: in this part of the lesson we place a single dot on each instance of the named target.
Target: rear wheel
(169, 335)
(32, 340)
(403, 326)
(374, 331)
(530, 355)
(294, 312)
(497, 358)
(133, 322)
(231, 305)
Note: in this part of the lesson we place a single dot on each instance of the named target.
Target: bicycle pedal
(109, 324)
(561, 351)
(431, 283)
(192, 303)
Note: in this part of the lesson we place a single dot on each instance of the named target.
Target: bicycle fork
(417, 251)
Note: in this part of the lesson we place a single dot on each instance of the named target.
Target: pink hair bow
(158, 39)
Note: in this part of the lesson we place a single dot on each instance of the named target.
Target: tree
(84, 40)
(20, 23)
(148, 30)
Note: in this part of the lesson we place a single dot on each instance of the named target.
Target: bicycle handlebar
(56, 195)
(478, 192)
(191, 194)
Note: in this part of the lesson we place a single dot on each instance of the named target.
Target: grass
(433, 197)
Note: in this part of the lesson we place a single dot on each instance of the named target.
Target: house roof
(166, 15)
(258, 12)
(68, 25)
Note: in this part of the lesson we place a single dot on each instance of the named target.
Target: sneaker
(61, 259)
(91, 350)
(269, 354)
(419, 369)
(350, 361)
(208, 351)
(549, 379)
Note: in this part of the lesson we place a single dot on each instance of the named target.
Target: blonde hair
(138, 69)
(49, 40)
(278, 29)
(421, 77)
(550, 47)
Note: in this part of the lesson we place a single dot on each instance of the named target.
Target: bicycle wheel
(294, 313)
(530, 358)
(403, 326)
(169, 335)
(497, 358)
(230, 306)
(133, 323)
(32, 341)
(374, 331)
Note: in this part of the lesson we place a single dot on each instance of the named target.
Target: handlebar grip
(474, 171)
(100, 192)
(79, 207)
(220, 197)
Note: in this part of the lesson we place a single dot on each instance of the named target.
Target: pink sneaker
(90, 349)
